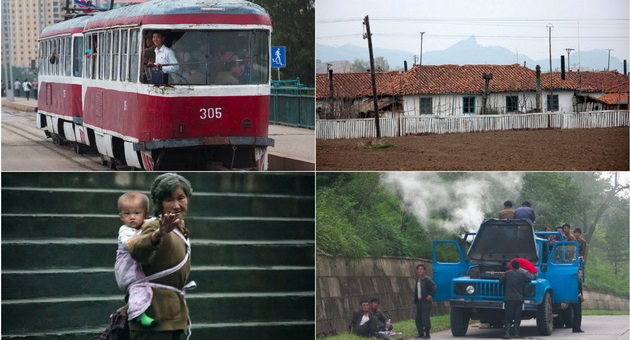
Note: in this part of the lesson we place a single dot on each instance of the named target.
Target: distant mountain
(464, 52)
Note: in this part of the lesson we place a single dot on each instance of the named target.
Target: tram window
(123, 55)
(67, 52)
(42, 54)
(106, 51)
(115, 54)
(61, 58)
(77, 57)
(134, 56)
(88, 56)
(100, 56)
(220, 57)
(54, 57)
(260, 54)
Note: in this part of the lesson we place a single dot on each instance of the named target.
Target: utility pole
(609, 49)
(569, 56)
(421, 35)
(368, 36)
(550, 28)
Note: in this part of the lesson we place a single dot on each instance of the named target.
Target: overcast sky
(516, 25)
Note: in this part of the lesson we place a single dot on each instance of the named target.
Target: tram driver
(165, 61)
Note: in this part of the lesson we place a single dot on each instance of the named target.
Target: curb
(19, 106)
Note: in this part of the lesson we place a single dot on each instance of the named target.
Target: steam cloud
(466, 199)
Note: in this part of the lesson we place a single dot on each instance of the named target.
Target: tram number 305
(210, 113)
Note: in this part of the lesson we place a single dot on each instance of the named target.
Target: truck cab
(469, 280)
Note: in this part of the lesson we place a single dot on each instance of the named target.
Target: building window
(555, 103)
(469, 105)
(426, 106)
(511, 103)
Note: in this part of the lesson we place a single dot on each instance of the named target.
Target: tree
(294, 27)
(360, 65)
(599, 194)
(380, 64)
(553, 196)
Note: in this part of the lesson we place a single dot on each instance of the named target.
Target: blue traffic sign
(278, 56)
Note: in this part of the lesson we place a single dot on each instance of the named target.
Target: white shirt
(165, 55)
(419, 291)
(364, 319)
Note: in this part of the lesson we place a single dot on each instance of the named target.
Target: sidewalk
(21, 104)
(294, 148)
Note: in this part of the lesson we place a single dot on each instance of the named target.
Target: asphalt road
(26, 148)
(600, 327)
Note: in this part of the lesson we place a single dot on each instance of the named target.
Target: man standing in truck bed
(525, 211)
(514, 281)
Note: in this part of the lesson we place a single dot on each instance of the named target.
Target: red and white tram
(209, 111)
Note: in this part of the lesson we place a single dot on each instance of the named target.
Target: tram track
(23, 144)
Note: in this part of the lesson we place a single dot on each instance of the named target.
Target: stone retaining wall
(341, 285)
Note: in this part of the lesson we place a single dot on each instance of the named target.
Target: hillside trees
(372, 216)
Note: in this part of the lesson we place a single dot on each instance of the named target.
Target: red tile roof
(599, 81)
(352, 85)
(617, 94)
(439, 79)
(466, 79)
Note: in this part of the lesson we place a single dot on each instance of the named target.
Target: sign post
(278, 58)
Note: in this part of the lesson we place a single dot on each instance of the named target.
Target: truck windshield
(217, 57)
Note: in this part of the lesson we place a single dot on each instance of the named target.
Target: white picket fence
(395, 127)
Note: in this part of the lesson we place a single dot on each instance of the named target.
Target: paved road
(604, 327)
(26, 148)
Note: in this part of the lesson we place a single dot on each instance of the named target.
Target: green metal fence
(292, 104)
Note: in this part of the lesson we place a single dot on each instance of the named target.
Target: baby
(133, 208)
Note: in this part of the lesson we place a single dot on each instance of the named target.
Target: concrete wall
(341, 285)
(595, 300)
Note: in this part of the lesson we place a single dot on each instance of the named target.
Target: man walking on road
(514, 282)
(424, 292)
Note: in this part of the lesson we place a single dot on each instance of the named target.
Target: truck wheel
(459, 321)
(544, 316)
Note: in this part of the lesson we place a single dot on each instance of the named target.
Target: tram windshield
(210, 58)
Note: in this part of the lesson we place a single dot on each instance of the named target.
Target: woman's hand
(168, 222)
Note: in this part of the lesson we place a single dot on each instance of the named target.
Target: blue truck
(469, 281)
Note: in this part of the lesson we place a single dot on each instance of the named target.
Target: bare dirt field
(524, 150)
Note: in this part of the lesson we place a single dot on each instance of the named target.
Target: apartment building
(22, 20)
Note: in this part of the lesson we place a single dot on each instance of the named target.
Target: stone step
(106, 227)
(104, 201)
(33, 284)
(222, 182)
(72, 313)
(89, 253)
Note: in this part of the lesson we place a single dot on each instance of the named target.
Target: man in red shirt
(526, 266)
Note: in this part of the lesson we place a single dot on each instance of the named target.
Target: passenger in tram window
(197, 74)
(229, 75)
(165, 61)
(53, 57)
(181, 76)
(148, 55)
